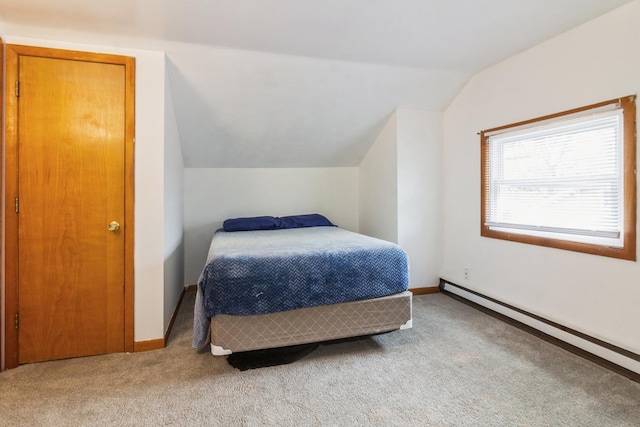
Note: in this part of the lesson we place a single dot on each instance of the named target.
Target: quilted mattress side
(313, 324)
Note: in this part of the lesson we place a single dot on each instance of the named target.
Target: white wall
(378, 174)
(420, 193)
(595, 295)
(400, 190)
(173, 208)
(149, 176)
(213, 195)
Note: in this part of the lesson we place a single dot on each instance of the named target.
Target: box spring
(314, 324)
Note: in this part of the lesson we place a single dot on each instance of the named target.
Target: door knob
(113, 226)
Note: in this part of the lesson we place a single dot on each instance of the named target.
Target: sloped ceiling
(301, 83)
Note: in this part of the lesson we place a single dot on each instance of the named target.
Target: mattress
(314, 324)
(259, 272)
(266, 271)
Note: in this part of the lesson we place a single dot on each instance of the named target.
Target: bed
(274, 282)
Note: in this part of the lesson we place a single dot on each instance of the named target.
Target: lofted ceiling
(301, 83)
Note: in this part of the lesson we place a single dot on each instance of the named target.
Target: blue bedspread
(258, 272)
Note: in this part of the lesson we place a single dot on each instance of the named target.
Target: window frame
(628, 250)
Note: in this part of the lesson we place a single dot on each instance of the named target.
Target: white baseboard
(562, 335)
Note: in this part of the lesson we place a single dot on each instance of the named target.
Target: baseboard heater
(612, 357)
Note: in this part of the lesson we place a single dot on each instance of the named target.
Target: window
(566, 180)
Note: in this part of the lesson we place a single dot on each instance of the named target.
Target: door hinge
(17, 321)
(17, 205)
(18, 89)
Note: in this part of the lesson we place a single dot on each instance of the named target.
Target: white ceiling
(301, 83)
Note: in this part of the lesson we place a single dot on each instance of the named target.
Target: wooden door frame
(2, 320)
(13, 53)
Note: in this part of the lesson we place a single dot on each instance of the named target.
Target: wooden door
(71, 205)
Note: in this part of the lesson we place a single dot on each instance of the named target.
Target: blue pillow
(272, 223)
(251, 223)
(298, 221)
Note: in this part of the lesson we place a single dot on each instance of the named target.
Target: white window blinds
(562, 178)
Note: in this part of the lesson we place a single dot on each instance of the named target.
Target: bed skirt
(231, 334)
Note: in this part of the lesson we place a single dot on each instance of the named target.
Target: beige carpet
(456, 367)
